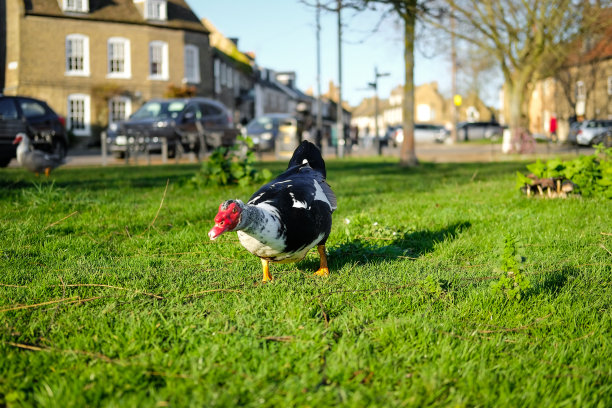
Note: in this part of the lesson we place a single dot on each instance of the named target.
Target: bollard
(104, 147)
(164, 150)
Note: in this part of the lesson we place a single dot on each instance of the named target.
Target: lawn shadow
(552, 282)
(408, 245)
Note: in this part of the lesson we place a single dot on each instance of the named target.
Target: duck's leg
(266, 270)
(323, 271)
(47, 171)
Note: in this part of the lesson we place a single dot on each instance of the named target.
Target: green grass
(406, 318)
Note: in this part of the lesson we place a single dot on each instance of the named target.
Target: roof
(180, 15)
(226, 46)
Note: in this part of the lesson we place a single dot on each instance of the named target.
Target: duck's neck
(258, 218)
(22, 148)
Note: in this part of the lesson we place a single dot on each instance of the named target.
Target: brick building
(96, 61)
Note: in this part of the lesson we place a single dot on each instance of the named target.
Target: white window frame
(70, 40)
(156, 10)
(424, 112)
(580, 90)
(127, 62)
(163, 75)
(192, 66)
(236, 83)
(76, 6)
(86, 99)
(610, 85)
(217, 75)
(119, 99)
(230, 77)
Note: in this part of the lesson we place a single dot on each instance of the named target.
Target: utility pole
(374, 85)
(339, 112)
(319, 130)
(455, 111)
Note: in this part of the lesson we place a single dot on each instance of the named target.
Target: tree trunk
(407, 154)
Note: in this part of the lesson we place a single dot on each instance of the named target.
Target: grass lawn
(110, 296)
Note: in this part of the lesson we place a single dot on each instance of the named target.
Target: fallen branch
(58, 221)
(76, 285)
(38, 304)
(278, 338)
(607, 250)
(392, 288)
(324, 314)
(79, 352)
(515, 329)
(212, 291)
(159, 209)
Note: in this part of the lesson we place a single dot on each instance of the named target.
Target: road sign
(457, 99)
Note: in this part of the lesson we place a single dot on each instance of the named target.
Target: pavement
(427, 152)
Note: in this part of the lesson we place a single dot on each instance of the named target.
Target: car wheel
(5, 161)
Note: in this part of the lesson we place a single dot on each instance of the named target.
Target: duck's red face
(18, 139)
(227, 218)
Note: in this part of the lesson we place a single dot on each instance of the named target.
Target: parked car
(45, 128)
(264, 129)
(589, 132)
(478, 130)
(185, 121)
(423, 132)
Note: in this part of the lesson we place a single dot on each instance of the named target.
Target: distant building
(234, 77)
(430, 107)
(581, 89)
(95, 62)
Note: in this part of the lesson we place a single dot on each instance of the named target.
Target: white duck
(34, 160)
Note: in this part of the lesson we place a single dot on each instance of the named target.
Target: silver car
(590, 132)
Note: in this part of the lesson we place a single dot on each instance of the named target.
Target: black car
(45, 128)
(184, 121)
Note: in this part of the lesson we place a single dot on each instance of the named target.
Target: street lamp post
(374, 85)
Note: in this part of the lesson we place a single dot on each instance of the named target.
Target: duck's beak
(216, 231)
(17, 139)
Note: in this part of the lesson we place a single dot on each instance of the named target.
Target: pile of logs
(554, 187)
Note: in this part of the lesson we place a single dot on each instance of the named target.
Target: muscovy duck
(287, 217)
(34, 160)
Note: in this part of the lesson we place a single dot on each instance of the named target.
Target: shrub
(232, 165)
(591, 176)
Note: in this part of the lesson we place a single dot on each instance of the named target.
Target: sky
(282, 34)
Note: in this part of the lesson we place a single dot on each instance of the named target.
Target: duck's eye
(222, 222)
(234, 211)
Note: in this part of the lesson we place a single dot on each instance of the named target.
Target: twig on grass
(74, 299)
(607, 250)
(515, 329)
(13, 286)
(278, 338)
(38, 304)
(99, 285)
(323, 311)
(212, 291)
(605, 233)
(159, 209)
(98, 356)
(586, 336)
(391, 289)
(58, 221)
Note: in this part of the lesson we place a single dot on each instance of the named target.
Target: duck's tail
(308, 152)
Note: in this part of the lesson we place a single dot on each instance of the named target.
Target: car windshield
(260, 124)
(159, 110)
